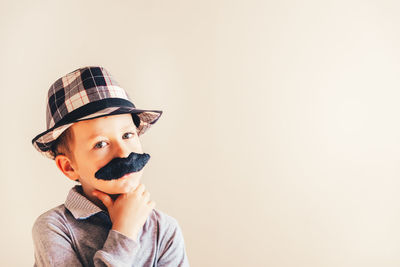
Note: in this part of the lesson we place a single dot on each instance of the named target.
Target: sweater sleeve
(118, 250)
(173, 252)
(53, 246)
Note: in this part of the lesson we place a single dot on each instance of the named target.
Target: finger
(146, 195)
(140, 189)
(106, 199)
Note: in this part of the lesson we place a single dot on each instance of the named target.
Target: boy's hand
(129, 211)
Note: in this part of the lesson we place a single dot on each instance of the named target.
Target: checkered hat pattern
(87, 93)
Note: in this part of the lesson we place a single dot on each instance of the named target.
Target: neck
(95, 200)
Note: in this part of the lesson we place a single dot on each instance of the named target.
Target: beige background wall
(283, 117)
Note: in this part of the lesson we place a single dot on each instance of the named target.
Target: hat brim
(44, 141)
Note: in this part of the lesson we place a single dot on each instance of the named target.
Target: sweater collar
(80, 206)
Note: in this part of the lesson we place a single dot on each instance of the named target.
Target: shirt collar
(80, 206)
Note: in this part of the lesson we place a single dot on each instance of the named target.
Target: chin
(125, 184)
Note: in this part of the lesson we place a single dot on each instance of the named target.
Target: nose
(123, 149)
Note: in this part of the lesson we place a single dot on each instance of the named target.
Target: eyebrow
(93, 136)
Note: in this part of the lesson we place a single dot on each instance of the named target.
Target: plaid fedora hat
(87, 93)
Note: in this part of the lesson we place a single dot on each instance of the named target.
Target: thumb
(106, 199)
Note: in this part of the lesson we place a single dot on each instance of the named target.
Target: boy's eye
(128, 135)
(100, 144)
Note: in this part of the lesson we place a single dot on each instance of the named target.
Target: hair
(62, 145)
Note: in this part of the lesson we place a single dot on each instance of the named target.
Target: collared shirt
(78, 233)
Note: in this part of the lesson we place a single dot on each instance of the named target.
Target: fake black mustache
(118, 167)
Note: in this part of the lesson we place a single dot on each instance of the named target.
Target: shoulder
(167, 226)
(164, 219)
(51, 220)
(171, 247)
(54, 214)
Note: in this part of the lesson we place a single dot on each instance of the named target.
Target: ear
(64, 164)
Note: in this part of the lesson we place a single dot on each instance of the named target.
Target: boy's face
(96, 142)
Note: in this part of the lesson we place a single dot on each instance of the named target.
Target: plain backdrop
(279, 142)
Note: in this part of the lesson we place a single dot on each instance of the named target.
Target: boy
(108, 219)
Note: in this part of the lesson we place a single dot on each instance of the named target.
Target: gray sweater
(78, 233)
